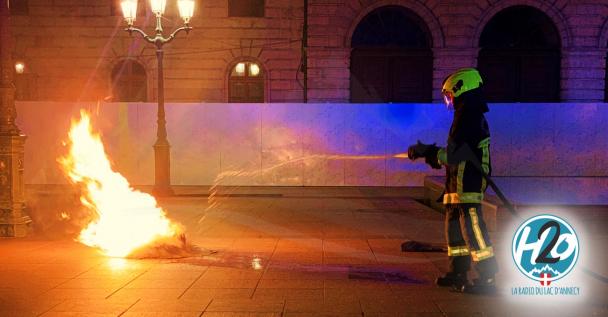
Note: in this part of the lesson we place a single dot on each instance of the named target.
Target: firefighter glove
(428, 151)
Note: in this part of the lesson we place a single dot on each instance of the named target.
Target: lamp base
(162, 191)
(162, 169)
(16, 227)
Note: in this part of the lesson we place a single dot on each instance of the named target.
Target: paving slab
(265, 252)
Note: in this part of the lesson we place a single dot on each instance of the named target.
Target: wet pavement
(265, 252)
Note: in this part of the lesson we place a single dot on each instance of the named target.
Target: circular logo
(545, 248)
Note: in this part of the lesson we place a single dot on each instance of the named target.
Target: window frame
(513, 61)
(388, 57)
(247, 80)
(131, 84)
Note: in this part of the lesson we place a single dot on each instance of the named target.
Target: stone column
(13, 221)
(328, 74)
(582, 74)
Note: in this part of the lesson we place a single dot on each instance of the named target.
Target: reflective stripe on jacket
(464, 183)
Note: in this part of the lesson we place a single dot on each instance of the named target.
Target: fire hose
(464, 153)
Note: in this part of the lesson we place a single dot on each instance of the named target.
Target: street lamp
(19, 68)
(162, 162)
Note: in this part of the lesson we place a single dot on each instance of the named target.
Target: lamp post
(162, 162)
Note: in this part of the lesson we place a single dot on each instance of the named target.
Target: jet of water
(242, 173)
(213, 191)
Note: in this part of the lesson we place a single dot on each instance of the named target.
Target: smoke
(56, 211)
(58, 214)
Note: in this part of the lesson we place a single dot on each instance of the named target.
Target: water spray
(401, 155)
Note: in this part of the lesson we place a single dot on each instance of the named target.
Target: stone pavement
(278, 252)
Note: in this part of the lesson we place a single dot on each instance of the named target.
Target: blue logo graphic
(545, 248)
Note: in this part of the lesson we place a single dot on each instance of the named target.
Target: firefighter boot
(486, 283)
(457, 275)
(452, 279)
(482, 286)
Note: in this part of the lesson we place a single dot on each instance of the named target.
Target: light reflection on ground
(316, 252)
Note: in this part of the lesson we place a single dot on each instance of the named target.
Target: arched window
(129, 82)
(520, 56)
(246, 83)
(391, 58)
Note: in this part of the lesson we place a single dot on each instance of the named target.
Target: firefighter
(465, 185)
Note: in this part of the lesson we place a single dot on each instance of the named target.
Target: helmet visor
(448, 98)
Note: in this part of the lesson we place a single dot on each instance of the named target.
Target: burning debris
(175, 247)
(126, 222)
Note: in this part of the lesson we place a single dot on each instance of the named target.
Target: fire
(125, 219)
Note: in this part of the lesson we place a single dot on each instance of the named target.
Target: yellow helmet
(460, 81)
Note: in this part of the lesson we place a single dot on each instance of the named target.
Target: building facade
(358, 50)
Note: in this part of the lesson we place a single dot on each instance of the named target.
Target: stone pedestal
(162, 169)
(13, 221)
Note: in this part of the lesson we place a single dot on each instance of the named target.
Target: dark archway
(391, 58)
(520, 56)
(129, 82)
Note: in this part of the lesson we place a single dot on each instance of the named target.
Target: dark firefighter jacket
(465, 183)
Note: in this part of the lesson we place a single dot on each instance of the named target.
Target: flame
(126, 219)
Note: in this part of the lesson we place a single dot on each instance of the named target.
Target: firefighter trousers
(468, 240)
